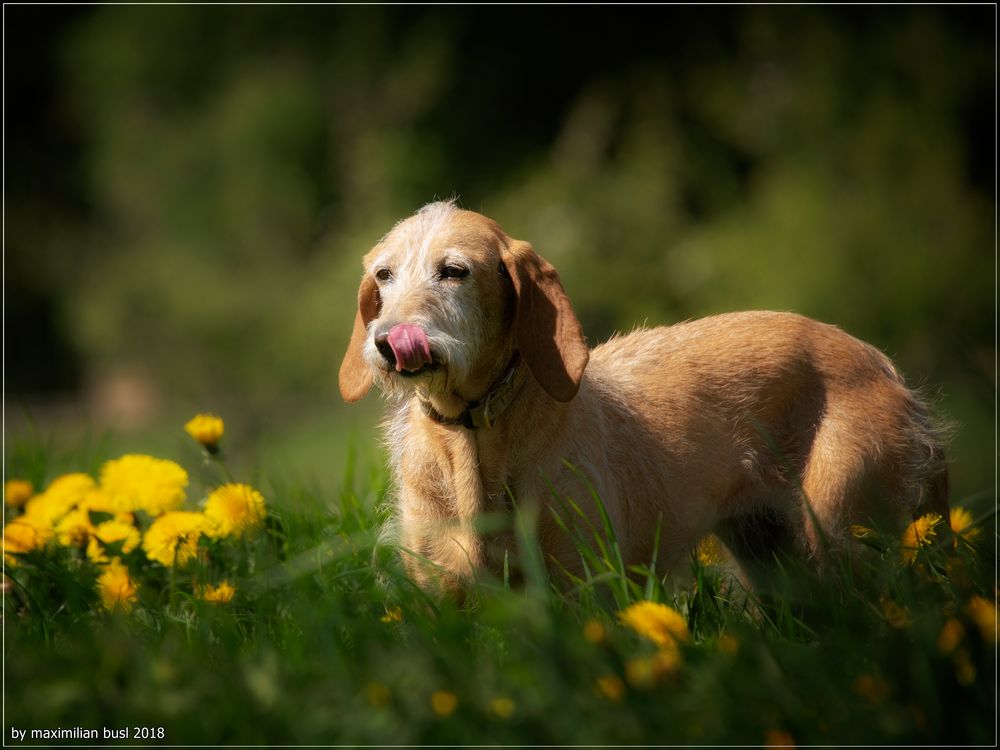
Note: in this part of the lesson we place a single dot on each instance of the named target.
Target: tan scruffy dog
(769, 429)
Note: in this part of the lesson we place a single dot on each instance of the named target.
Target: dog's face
(446, 299)
(445, 303)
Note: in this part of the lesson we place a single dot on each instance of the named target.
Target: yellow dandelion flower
(207, 429)
(40, 517)
(222, 593)
(117, 590)
(666, 661)
(951, 636)
(172, 539)
(59, 498)
(611, 687)
(728, 644)
(99, 501)
(896, 615)
(594, 631)
(16, 492)
(961, 523)
(74, 529)
(109, 533)
(657, 622)
(235, 509)
(444, 703)
(984, 613)
(502, 707)
(392, 614)
(965, 670)
(778, 738)
(871, 687)
(710, 551)
(21, 535)
(378, 694)
(138, 482)
(919, 534)
(639, 672)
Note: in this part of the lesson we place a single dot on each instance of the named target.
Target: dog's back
(762, 419)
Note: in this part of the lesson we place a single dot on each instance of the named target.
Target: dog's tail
(928, 466)
(935, 494)
(921, 450)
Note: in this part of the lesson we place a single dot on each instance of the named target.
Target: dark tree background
(189, 189)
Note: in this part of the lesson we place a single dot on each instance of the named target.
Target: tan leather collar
(484, 412)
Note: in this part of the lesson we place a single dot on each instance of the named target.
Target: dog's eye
(383, 274)
(454, 272)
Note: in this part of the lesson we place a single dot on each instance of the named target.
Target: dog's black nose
(382, 344)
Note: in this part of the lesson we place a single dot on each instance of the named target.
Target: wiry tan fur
(767, 428)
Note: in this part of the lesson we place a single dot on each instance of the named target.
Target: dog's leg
(440, 497)
(851, 477)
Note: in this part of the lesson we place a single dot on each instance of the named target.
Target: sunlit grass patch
(295, 625)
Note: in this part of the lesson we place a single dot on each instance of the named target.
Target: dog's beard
(397, 388)
(442, 378)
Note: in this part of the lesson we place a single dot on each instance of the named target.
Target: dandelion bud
(444, 703)
(207, 429)
(16, 492)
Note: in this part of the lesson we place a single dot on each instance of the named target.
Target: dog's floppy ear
(546, 329)
(355, 378)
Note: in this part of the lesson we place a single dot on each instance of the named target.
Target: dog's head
(446, 300)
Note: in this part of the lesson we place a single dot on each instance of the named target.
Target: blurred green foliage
(190, 188)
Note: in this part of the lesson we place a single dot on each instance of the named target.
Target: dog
(769, 429)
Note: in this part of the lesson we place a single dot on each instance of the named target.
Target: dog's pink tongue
(409, 344)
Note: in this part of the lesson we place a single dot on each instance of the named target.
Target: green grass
(302, 655)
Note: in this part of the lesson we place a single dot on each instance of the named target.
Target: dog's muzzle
(405, 347)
